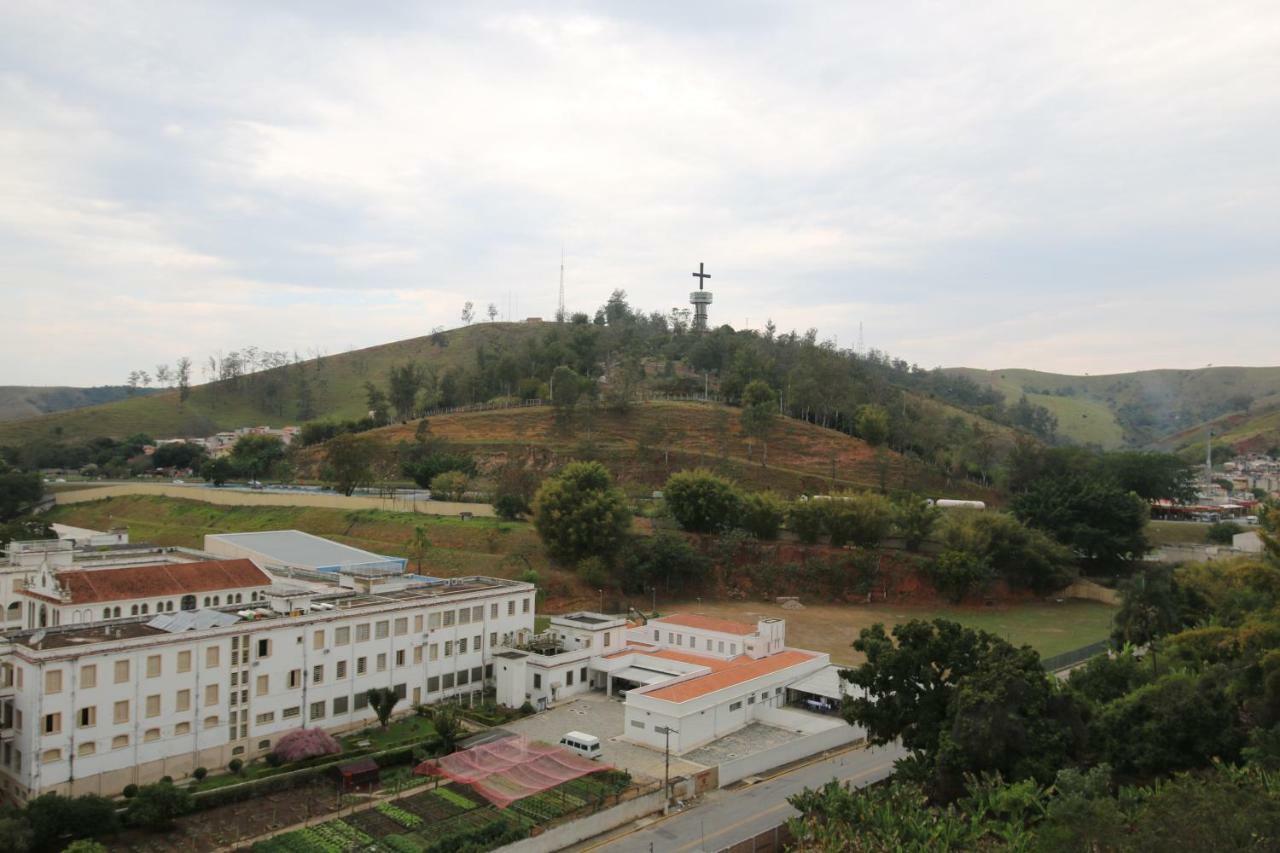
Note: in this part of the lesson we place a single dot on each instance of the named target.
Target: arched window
(44, 617)
(106, 613)
(14, 611)
(206, 601)
(188, 602)
(144, 610)
(116, 613)
(133, 611)
(215, 601)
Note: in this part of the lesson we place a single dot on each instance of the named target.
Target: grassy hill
(28, 401)
(1137, 409)
(643, 445)
(1254, 431)
(336, 383)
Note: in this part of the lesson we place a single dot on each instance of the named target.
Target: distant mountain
(1140, 409)
(18, 402)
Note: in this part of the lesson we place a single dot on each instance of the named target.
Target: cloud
(984, 185)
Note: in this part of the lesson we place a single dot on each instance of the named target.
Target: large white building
(699, 676)
(94, 707)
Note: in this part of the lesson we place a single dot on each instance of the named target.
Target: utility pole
(666, 763)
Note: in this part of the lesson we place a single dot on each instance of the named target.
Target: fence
(1057, 663)
(770, 841)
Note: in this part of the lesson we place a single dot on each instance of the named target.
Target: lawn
(405, 730)
(1177, 532)
(1049, 628)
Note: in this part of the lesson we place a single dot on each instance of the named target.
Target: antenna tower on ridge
(560, 316)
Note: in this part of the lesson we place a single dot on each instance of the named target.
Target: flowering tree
(305, 743)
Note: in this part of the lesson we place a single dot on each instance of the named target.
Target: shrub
(155, 806)
(863, 519)
(593, 571)
(274, 760)
(200, 773)
(666, 559)
(956, 573)
(235, 765)
(702, 502)
(914, 520)
(762, 514)
(807, 520)
(301, 744)
(1222, 532)
(510, 507)
(167, 780)
(130, 791)
(451, 485)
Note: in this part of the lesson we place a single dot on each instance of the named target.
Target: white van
(588, 746)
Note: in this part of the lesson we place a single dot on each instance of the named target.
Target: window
(462, 646)
(382, 662)
(417, 654)
(50, 755)
(317, 710)
(120, 712)
(733, 649)
(182, 729)
(295, 679)
(360, 702)
(211, 657)
(511, 608)
(476, 673)
(150, 735)
(537, 681)
(493, 610)
(263, 744)
(608, 637)
(417, 623)
(210, 694)
(362, 666)
(448, 680)
(52, 724)
(87, 748)
(264, 719)
(679, 639)
(448, 618)
(400, 690)
(400, 658)
(448, 648)
(183, 701)
(637, 724)
(488, 670)
(720, 646)
(264, 685)
(153, 706)
(477, 613)
(524, 606)
(119, 741)
(764, 697)
(433, 684)
(88, 677)
(751, 700)
(211, 722)
(433, 621)
(568, 678)
(708, 645)
(290, 713)
(264, 648)
(402, 626)
(463, 677)
(493, 639)
(153, 666)
(671, 638)
(340, 705)
(53, 681)
(184, 661)
(582, 675)
(362, 633)
(317, 640)
(464, 616)
(657, 636)
(341, 669)
(433, 651)
(88, 717)
(382, 630)
(341, 636)
(317, 674)
(475, 642)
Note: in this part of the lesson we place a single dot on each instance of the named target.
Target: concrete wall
(750, 765)
(235, 497)
(575, 831)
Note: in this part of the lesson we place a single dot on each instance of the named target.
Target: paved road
(727, 817)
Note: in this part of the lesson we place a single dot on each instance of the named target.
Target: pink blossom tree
(300, 744)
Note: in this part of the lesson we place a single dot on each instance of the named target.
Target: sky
(1073, 186)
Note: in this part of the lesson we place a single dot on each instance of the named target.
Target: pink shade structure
(511, 769)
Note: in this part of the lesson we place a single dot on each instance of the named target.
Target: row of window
(188, 602)
(87, 717)
(674, 639)
(86, 748)
(120, 670)
(568, 678)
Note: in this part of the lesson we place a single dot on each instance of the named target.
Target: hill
(1136, 409)
(18, 402)
(1254, 431)
(645, 444)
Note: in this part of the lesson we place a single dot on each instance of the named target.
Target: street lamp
(666, 759)
(601, 591)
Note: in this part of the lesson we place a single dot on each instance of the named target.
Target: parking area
(599, 715)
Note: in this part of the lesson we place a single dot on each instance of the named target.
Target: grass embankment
(1177, 533)
(479, 546)
(1049, 628)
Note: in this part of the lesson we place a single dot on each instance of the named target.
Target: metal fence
(1066, 660)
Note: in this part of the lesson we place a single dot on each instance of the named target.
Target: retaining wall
(796, 750)
(574, 831)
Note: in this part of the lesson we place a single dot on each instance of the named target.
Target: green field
(1177, 533)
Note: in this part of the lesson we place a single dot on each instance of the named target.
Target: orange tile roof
(736, 671)
(706, 623)
(94, 585)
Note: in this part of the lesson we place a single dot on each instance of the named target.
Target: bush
(593, 572)
(863, 519)
(155, 806)
(274, 760)
(913, 521)
(510, 507)
(762, 514)
(130, 791)
(301, 744)
(957, 573)
(702, 502)
(235, 765)
(527, 708)
(1222, 532)
(451, 485)
(807, 520)
(666, 559)
(199, 773)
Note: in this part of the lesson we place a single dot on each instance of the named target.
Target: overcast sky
(1077, 186)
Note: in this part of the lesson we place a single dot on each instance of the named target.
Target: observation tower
(700, 299)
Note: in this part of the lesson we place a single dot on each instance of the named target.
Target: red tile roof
(87, 586)
(736, 671)
(705, 623)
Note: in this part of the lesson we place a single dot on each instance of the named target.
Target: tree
(666, 558)
(382, 700)
(184, 379)
(1151, 605)
(1269, 531)
(1021, 555)
(468, 313)
(762, 514)
(349, 462)
(404, 381)
(957, 573)
(807, 520)
(579, 513)
(702, 502)
(1222, 532)
(872, 424)
(419, 545)
(492, 311)
(1149, 475)
(1097, 519)
(15, 834)
(179, 454)
(257, 455)
(84, 846)
(163, 375)
(759, 411)
(566, 388)
(863, 519)
(451, 484)
(376, 399)
(913, 521)
(448, 727)
(217, 471)
(301, 744)
(155, 806)
(19, 491)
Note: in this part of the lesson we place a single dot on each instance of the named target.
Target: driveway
(602, 716)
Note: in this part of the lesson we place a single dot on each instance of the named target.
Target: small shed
(362, 773)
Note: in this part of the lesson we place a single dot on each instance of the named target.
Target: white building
(94, 707)
(292, 552)
(700, 676)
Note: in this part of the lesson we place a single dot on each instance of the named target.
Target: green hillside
(1136, 409)
(30, 401)
(1255, 431)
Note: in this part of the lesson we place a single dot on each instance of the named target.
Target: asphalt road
(727, 817)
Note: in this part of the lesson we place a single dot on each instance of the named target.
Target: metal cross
(701, 276)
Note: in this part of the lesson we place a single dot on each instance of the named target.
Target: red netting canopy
(511, 769)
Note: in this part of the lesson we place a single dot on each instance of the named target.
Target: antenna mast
(560, 311)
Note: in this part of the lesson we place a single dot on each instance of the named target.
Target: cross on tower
(701, 276)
